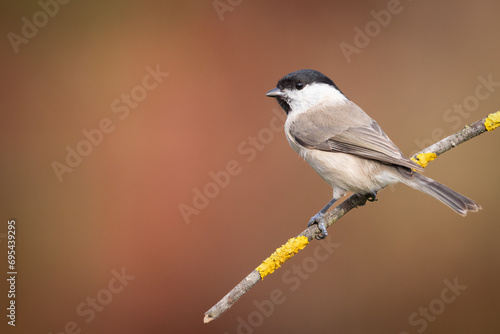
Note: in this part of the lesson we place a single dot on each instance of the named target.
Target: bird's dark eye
(299, 85)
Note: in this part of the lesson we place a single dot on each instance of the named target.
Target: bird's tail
(457, 202)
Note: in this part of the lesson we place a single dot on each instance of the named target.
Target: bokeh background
(119, 209)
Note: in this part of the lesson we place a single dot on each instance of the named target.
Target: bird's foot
(320, 220)
(372, 197)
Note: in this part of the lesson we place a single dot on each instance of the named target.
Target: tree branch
(285, 252)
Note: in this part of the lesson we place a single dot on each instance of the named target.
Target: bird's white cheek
(314, 95)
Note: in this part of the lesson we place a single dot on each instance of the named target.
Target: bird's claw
(319, 219)
(372, 197)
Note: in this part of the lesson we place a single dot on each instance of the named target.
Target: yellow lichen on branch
(282, 254)
(492, 121)
(423, 159)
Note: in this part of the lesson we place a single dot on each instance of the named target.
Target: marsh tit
(346, 147)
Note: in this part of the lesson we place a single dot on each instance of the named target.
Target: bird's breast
(343, 171)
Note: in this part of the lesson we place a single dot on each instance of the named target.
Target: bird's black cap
(298, 80)
(304, 76)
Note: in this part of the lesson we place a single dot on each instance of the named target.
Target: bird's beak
(276, 92)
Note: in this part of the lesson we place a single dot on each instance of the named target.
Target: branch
(293, 245)
(430, 153)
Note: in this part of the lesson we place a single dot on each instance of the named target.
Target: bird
(346, 147)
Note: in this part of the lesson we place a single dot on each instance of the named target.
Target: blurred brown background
(117, 211)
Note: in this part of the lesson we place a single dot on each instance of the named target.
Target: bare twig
(295, 244)
(470, 131)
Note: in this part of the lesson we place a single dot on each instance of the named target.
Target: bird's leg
(318, 219)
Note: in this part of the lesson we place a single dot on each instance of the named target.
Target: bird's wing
(364, 139)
